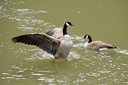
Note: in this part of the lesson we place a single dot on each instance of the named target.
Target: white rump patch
(103, 49)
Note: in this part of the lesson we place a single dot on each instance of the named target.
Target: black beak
(72, 25)
(84, 37)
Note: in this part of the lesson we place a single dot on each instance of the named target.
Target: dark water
(22, 64)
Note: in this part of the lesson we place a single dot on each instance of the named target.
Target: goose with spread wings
(56, 41)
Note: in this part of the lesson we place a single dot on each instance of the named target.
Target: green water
(105, 20)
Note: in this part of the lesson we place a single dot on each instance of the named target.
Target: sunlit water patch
(76, 11)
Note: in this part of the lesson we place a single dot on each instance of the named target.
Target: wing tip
(14, 40)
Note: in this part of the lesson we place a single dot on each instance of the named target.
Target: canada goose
(97, 45)
(56, 41)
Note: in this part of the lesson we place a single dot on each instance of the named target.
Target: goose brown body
(97, 45)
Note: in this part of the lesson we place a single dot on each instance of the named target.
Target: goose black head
(69, 24)
(86, 36)
(65, 27)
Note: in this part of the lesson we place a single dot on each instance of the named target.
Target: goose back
(56, 33)
(98, 45)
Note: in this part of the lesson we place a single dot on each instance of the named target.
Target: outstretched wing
(42, 40)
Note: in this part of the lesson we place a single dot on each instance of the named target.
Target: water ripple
(25, 23)
(83, 66)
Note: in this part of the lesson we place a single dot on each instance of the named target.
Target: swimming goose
(56, 41)
(97, 45)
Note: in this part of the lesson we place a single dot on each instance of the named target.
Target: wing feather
(42, 40)
(52, 31)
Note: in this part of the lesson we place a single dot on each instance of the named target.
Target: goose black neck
(65, 29)
(90, 39)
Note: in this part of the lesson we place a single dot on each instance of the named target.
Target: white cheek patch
(67, 24)
(87, 36)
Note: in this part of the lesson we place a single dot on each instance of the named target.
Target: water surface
(28, 65)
